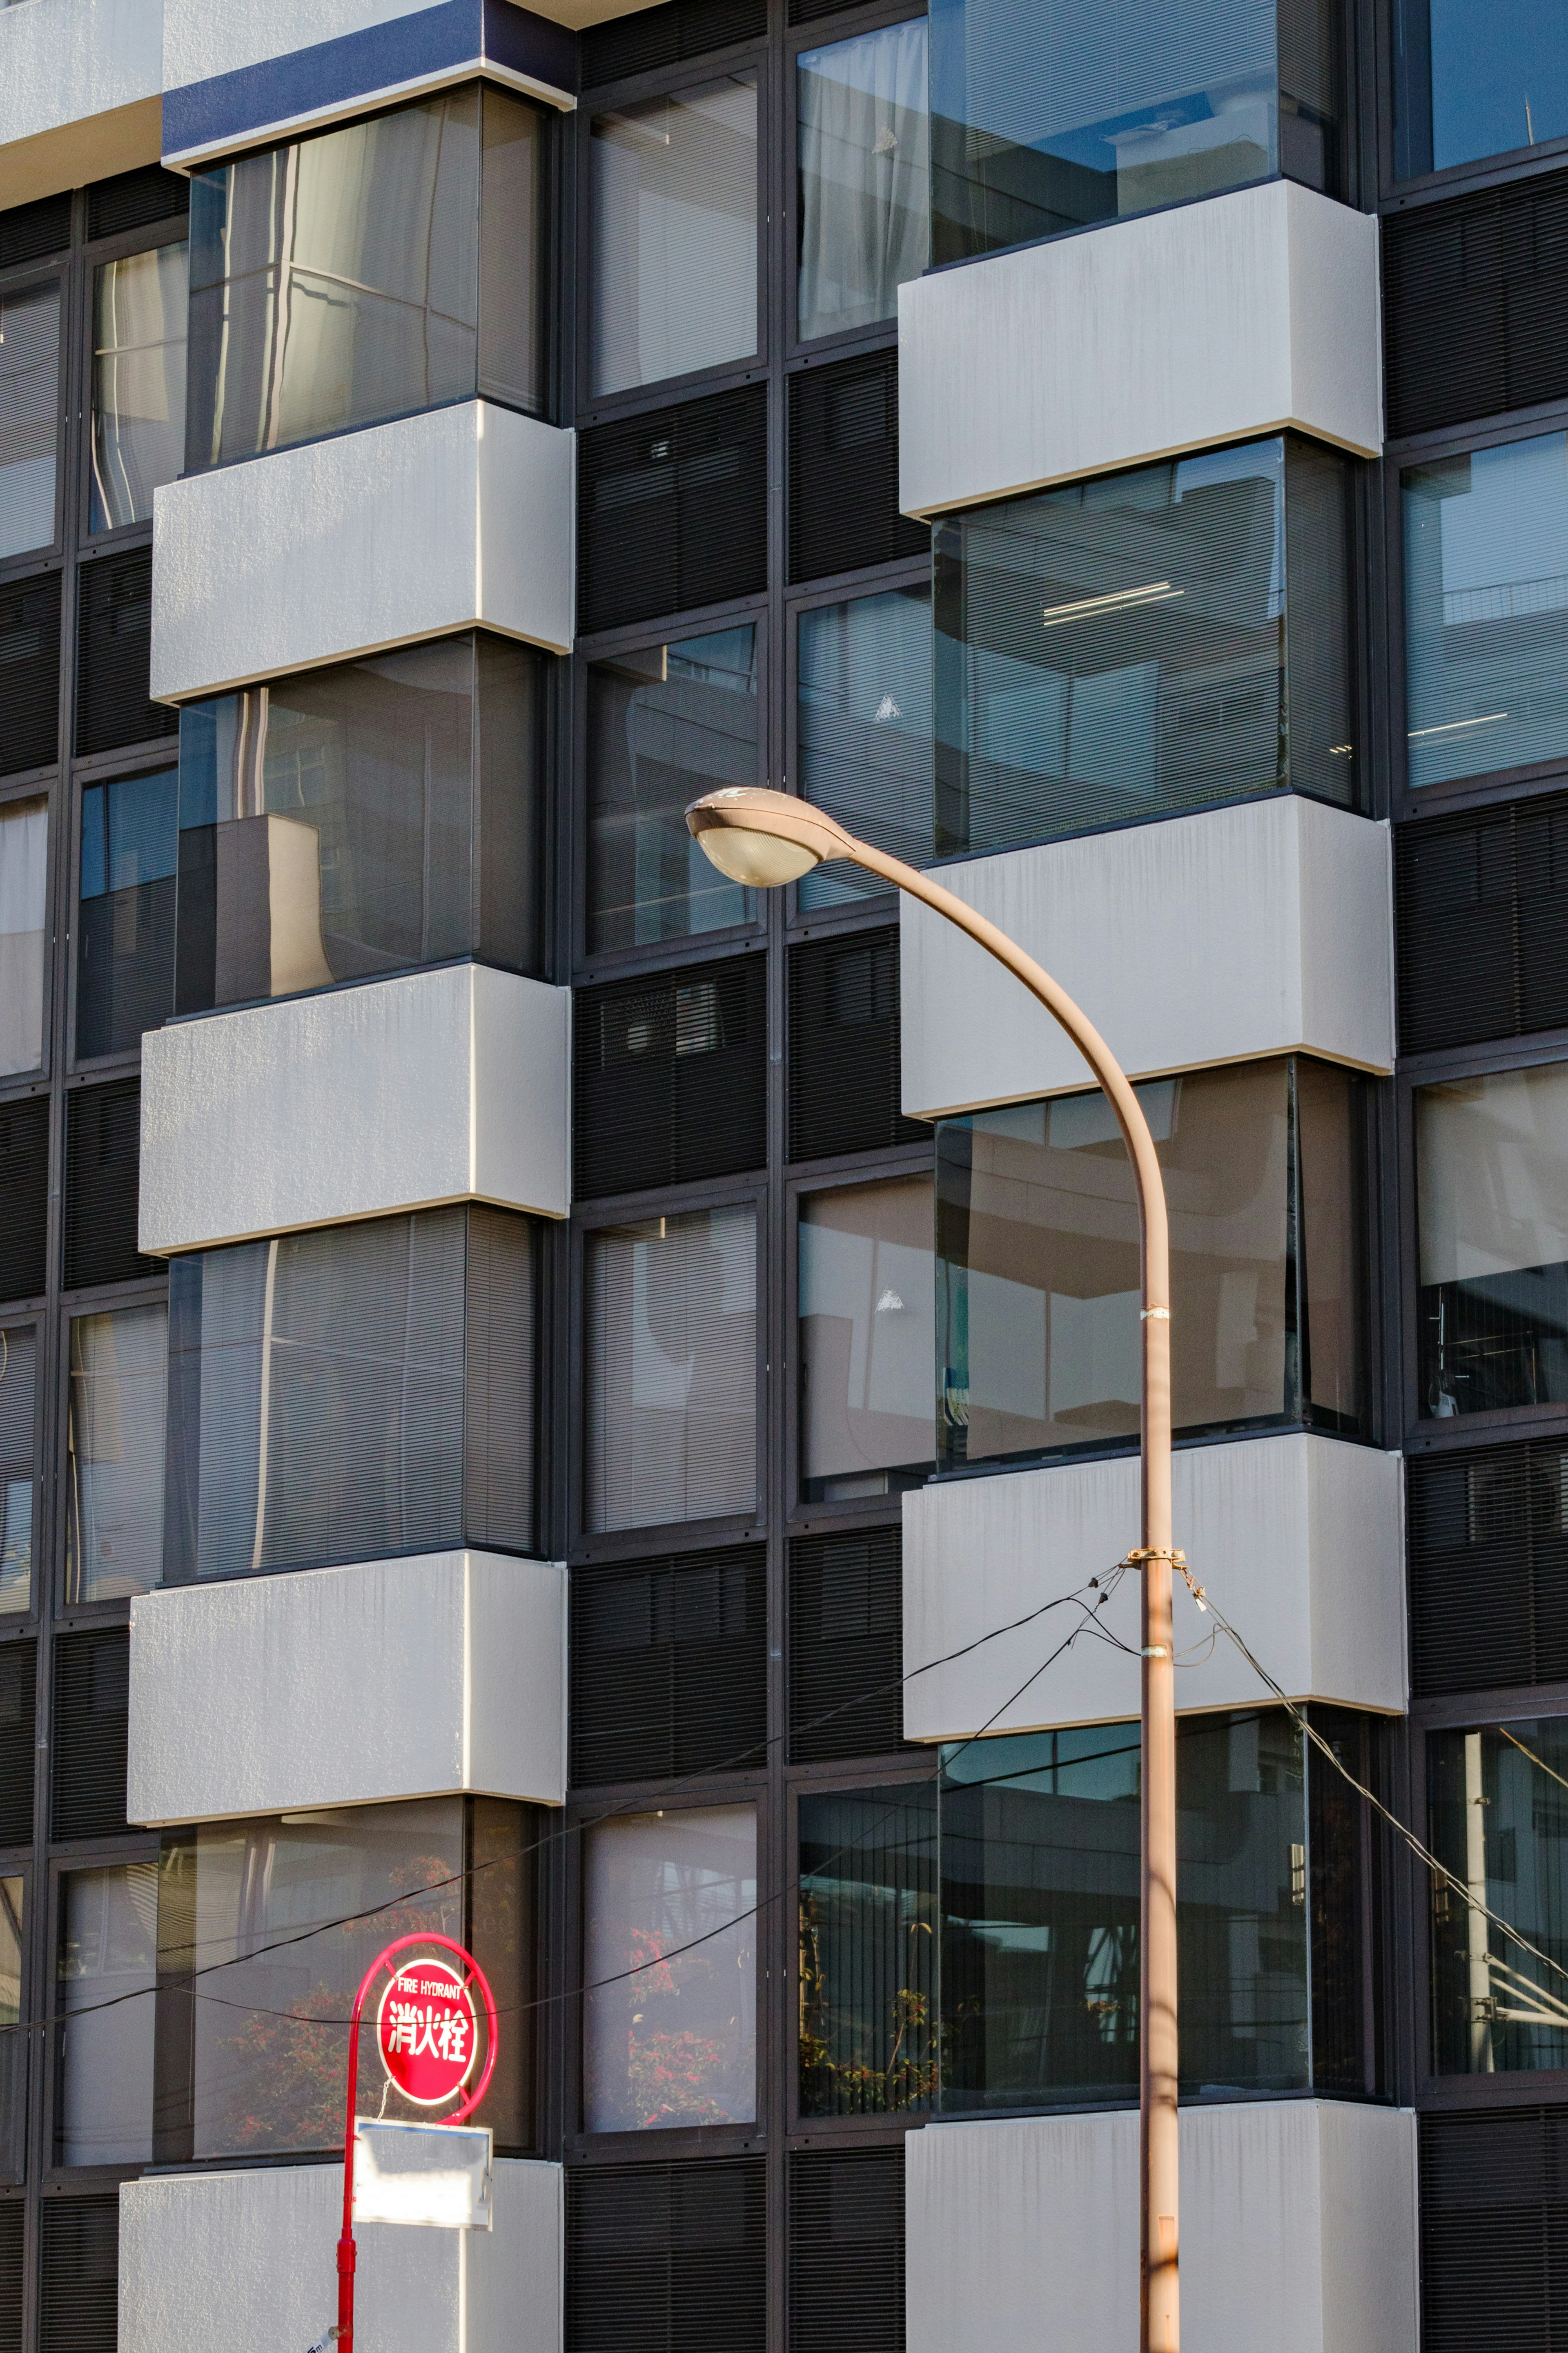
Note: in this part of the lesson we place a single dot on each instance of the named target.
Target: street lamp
(763, 839)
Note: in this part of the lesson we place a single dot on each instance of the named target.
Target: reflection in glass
(1037, 1262)
(671, 2042)
(14, 2043)
(138, 383)
(108, 1965)
(125, 921)
(674, 194)
(29, 416)
(864, 731)
(866, 1310)
(356, 821)
(1498, 1796)
(1486, 609)
(864, 182)
(1145, 643)
(18, 1465)
(1491, 1183)
(670, 1332)
(666, 724)
(1473, 78)
(869, 1938)
(23, 873)
(114, 1504)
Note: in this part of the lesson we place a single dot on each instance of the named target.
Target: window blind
(668, 36)
(1475, 297)
(103, 1159)
(1494, 2212)
(682, 2245)
(27, 232)
(846, 2250)
(13, 2272)
(25, 1187)
(29, 673)
(670, 1665)
(672, 509)
(1481, 922)
(846, 1645)
(135, 199)
(844, 469)
(91, 1715)
(19, 1725)
(670, 1078)
(844, 1076)
(114, 640)
(1488, 1565)
(79, 2274)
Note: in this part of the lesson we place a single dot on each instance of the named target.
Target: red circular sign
(426, 2031)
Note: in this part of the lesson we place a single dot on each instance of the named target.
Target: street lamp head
(763, 839)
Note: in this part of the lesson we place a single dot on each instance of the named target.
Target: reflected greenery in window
(864, 731)
(1475, 79)
(1499, 1795)
(869, 1938)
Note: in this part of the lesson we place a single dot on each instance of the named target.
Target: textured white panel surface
(349, 1687)
(1298, 2232)
(203, 39)
(437, 1086)
(245, 2261)
(1209, 322)
(372, 539)
(1299, 1538)
(64, 61)
(1203, 939)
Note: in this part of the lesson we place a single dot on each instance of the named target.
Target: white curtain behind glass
(109, 1958)
(864, 178)
(24, 850)
(138, 383)
(119, 1380)
(29, 416)
(1491, 1174)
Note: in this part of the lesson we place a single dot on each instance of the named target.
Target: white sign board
(438, 2176)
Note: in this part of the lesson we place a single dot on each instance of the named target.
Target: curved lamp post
(763, 839)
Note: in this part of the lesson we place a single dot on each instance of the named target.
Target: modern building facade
(548, 1398)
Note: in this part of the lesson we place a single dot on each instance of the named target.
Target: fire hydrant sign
(428, 2031)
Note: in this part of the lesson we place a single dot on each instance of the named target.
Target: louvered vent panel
(845, 1646)
(673, 509)
(670, 1078)
(844, 470)
(92, 1688)
(670, 1665)
(78, 2281)
(136, 199)
(667, 2258)
(13, 2242)
(29, 673)
(30, 231)
(1494, 2225)
(1475, 305)
(806, 12)
(102, 1174)
(1488, 1565)
(24, 1190)
(18, 1731)
(1481, 908)
(114, 640)
(667, 35)
(846, 2250)
(844, 1046)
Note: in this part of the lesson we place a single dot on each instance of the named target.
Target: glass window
(137, 381)
(125, 917)
(1486, 609)
(29, 416)
(868, 1939)
(13, 2042)
(1500, 1818)
(1491, 1178)
(1145, 643)
(866, 1305)
(665, 724)
(107, 1969)
(1037, 1262)
(669, 1325)
(114, 1503)
(669, 2042)
(362, 819)
(1473, 78)
(366, 273)
(675, 235)
(864, 728)
(24, 876)
(256, 2069)
(354, 1392)
(18, 1465)
(864, 221)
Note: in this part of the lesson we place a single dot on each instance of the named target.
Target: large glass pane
(125, 915)
(138, 383)
(18, 1465)
(1486, 609)
(24, 875)
(1476, 78)
(669, 2021)
(13, 2039)
(114, 1501)
(670, 1327)
(107, 1967)
(864, 221)
(863, 729)
(674, 235)
(29, 416)
(866, 1305)
(869, 1938)
(1491, 1180)
(1499, 1820)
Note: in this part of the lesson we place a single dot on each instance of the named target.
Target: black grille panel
(846, 2250)
(136, 199)
(29, 673)
(670, 1079)
(673, 509)
(845, 1646)
(1488, 1565)
(92, 1701)
(114, 641)
(1475, 305)
(844, 470)
(79, 2282)
(18, 1731)
(668, 36)
(25, 1189)
(13, 2241)
(670, 1665)
(1482, 906)
(667, 2258)
(28, 232)
(104, 1141)
(1494, 2222)
(844, 1048)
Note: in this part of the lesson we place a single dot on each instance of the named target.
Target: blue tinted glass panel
(864, 742)
(125, 927)
(1477, 77)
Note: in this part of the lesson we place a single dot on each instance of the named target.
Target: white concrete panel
(203, 39)
(246, 2262)
(370, 538)
(349, 1687)
(79, 83)
(1299, 1538)
(1209, 322)
(1203, 939)
(445, 1085)
(1298, 2232)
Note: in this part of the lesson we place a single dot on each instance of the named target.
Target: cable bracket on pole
(1154, 1314)
(1136, 1558)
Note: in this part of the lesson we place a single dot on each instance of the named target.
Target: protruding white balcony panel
(1298, 2232)
(1298, 1538)
(447, 1086)
(78, 93)
(372, 539)
(1209, 322)
(1204, 939)
(346, 1686)
(244, 2261)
